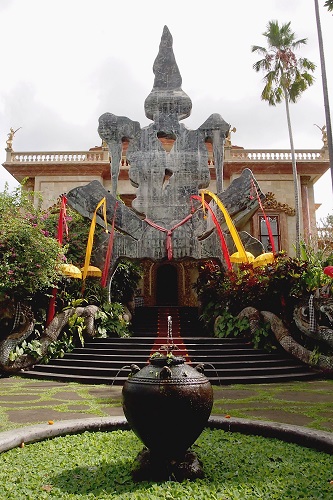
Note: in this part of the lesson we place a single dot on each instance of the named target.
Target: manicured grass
(98, 465)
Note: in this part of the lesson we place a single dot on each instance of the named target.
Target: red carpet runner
(162, 332)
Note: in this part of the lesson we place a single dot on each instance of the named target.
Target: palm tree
(329, 5)
(286, 78)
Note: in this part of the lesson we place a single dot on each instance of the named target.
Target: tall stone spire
(165, 68)
(167, 96)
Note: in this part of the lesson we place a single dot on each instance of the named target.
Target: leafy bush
(227, 325)
(274, 287)
(29, 259)
(111, 321)
(266, 287)
(125, 280)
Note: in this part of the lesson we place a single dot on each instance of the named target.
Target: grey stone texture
(157, 224)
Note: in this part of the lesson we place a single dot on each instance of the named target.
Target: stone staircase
(227, 361)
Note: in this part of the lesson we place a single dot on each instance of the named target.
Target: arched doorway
(167, 285)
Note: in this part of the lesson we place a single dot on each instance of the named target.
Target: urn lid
(169, 359)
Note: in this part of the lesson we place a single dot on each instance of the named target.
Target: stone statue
(228, 138)
(164, 221)
(324, 134)
(166, 105)
(9, 141)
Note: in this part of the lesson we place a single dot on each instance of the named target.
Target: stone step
(138, 356)
(223, 380)
(227, 360)
(220, 371)
(115, 363)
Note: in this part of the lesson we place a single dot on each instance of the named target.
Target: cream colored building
(56, 172)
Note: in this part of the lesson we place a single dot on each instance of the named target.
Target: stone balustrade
(231, 155)
(58, 157)
(275, 155)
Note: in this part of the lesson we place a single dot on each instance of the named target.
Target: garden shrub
(274, 287)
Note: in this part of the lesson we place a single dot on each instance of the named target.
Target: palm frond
(329, 5)
(261, 65)
(310, 79)
(257, 48)
(283, 71)
(304, 63)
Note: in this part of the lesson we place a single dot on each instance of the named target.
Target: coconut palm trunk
(295, 177)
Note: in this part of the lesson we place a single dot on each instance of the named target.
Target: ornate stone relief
(271, 203)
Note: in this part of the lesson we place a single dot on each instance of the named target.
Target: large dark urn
(167, 404)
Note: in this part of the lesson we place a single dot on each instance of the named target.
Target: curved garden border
(310, 438)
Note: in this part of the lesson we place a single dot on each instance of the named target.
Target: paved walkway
(29, 401)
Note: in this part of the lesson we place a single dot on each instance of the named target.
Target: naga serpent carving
(23, 327)
(306, 314)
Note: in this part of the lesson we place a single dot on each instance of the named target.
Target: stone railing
(276, 155)
(231, 154)
(58, 157)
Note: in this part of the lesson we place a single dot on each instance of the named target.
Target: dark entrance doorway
(167, 286)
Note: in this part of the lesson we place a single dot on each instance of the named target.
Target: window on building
(263, 232)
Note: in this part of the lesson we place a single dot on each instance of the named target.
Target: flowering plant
(29, 258)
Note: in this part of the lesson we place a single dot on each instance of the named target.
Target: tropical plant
(274, 287)
(29, 259)
(314, 277)
(125, 280)
(111, 320)
(32, 348)
(229, 325)
(286, 78)
(59, 347)
(329, 5)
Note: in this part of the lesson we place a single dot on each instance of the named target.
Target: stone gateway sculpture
(164, 221)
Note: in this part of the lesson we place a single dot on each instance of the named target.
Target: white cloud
(66, 62)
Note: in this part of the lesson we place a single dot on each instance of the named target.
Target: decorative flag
(91, 236)
(219, 230)
(62, 222)
(109, 250)
(230, 224)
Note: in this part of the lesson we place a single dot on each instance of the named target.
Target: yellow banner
(91, 236)
(230, 224)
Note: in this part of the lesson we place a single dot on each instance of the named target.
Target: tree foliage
(286, 77)
(329, 5)
(274, 287)
(285, 74)
(29, 258)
